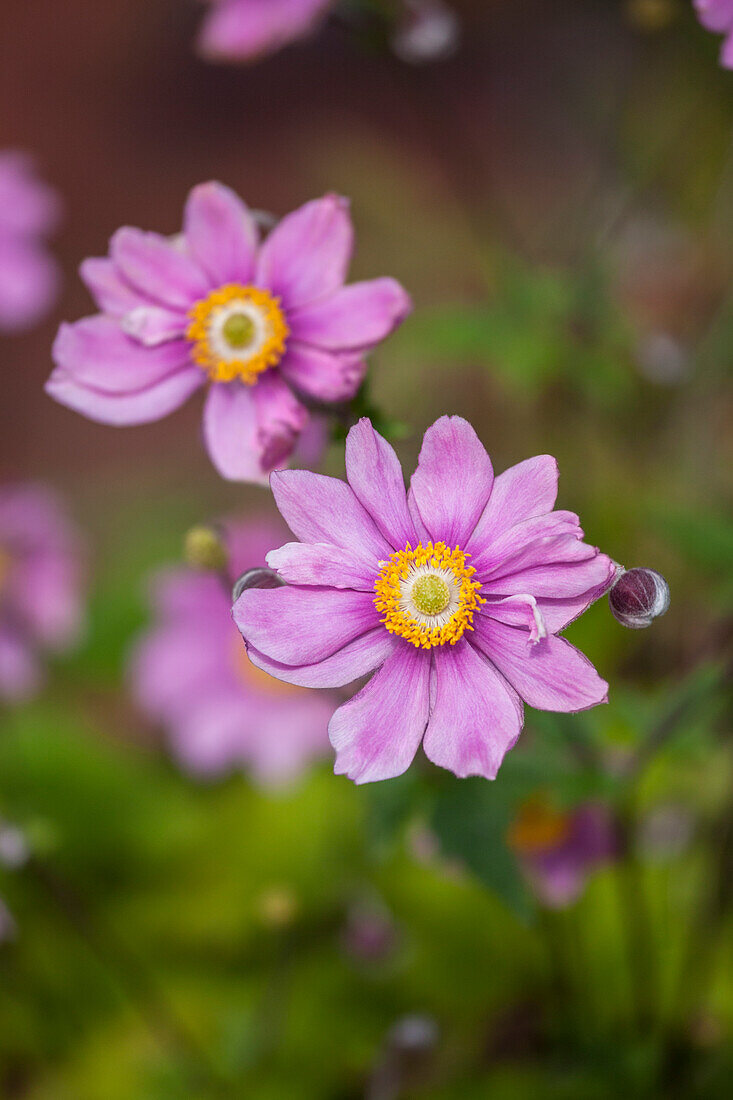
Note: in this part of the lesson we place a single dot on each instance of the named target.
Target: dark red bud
(638, 597)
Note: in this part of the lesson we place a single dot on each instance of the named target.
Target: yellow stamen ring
(427, 595)
(237, 332)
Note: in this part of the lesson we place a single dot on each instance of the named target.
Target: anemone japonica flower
(454, 592)
(259, 323)
(41, 574)
(717, 15)
(559, 851)
(191, 674)
(244, 30)
(29, 211)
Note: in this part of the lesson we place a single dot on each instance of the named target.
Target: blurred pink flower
(454, 592)
(40, 585)
(560, 850)
(29, 211)
(262, 323)
(244, 30)
(717, 15)
(191, 674)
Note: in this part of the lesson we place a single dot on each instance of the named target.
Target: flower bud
(428, 31)
(256, 578)
(203, 549)
(638, 597)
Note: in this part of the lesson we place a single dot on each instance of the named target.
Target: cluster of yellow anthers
(439, 563)
(250, 339)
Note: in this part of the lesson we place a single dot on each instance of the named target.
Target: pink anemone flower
(244, 30)
(29, 212)
(717, 16)
(41, 572)
(191, 674)
(454, 592)
(261, 323)
(559, 851)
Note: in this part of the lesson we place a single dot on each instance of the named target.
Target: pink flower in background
(717, 15)
(40, 585)
(259, 323)
(191, 674)
(454, 592)
(29, 211)
(243, 30)
(559, 850)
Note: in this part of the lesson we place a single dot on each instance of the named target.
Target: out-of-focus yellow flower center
(538, 828)
(257, 680)
(237, 332)
(426, 595)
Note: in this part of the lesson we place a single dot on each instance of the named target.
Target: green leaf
(471, 818)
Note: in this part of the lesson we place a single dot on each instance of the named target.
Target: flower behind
(191, 674)
(717, 15)
(454, 593)
(40, 585)
(29, 211)
(263, 323)
(560, 850)
(244, 30)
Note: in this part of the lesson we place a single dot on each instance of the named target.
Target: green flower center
(238, 330)
(430, 594)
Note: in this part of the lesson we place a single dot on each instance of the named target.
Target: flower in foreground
(191, 674)
(29, 211)
(40, 585)
(244, 30)
(559, 851)
(260, 323)
(717, 15)
(454, 592)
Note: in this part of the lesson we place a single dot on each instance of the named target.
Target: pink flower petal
(231, 433)
(356, 316)
(320, 564)
(289, 734)
(523, 491)
(347, 664)
(221, 233)
(139, 407)
(307, 254)
(327, 376)
(522, 611)
(551, 675)
(550, 538)
(300, 626)
(29, 284)
(715, 15)
(476, 718)
(94, 352)
(377, 733)
(374, 473)
(20, 675)
(153, 325)
(158, 269)
(453, 480)
(240, 31)
(324, 509)
(108, 288)
(280, 420)
(556, 581)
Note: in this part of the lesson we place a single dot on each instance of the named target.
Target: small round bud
(203, 549)
(638, 597)
(428, 31)
(256, 578)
